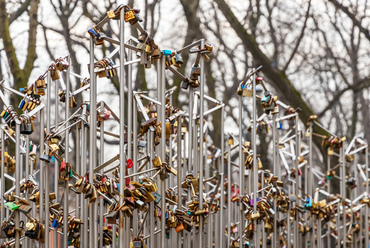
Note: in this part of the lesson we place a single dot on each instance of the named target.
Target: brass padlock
(54, 74)
(157, 162)
(247, 92)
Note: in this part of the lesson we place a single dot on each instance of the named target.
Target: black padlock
(185, 84)
(163, 174)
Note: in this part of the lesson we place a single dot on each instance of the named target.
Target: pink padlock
(107, 115)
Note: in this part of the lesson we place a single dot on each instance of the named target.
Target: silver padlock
(46, 158)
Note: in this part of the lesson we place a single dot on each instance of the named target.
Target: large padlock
(136, 244)
(164, 174)
(156, 54)
(54, 74)
(247, 92)
(26, 126)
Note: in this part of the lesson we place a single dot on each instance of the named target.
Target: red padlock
(129, 163)
(62, 166)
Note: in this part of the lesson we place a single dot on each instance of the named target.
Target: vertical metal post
(353, 195)
(151, 204)
(343, 187)
(17, 180)
(241, 171)
(201, 157)
(56, 163)
(2, 212)
(229, 180)
(274, 144)
(296, 162)
(78, 165)
(42, 168)
(84, 237)
(338, 225)
(255, 163)
(122, 239)
(222, 167)
(101, 200)
(179, 172)
(329, 190)
(92, 136)
(66, 154)
(161, 93)
(367, 191)
(310, 186)
(47, 165)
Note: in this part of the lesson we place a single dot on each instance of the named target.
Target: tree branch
(299, 38)
(31, 55)
(14, 16)
(346, 10)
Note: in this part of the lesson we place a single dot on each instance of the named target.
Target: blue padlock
(21, 104)
(166, 52)
(265, 99)
(55, 224)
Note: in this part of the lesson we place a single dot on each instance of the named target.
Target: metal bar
(17, 186)
(161, 97)
(122, 239)
(2, 188)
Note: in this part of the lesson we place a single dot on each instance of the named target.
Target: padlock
(157, 197)
(54, 74)
(168, 129)
(136, 244)
(130, 16)
(247, 92)
(46, 158)
(157, 162)
(111, 14)
(72, 102)
(26, 126)
(195, 72)
(230, 141)
(164, 174)
(255, 215)
(185, 84)
(179, 227)
(156, 54)
(178, 61)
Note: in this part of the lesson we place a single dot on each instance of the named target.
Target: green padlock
(11, 206)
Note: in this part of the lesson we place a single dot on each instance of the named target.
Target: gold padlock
(247, 92)
(157, 162)
(111, 14)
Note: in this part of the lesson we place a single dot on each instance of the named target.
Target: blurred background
(315, 54)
